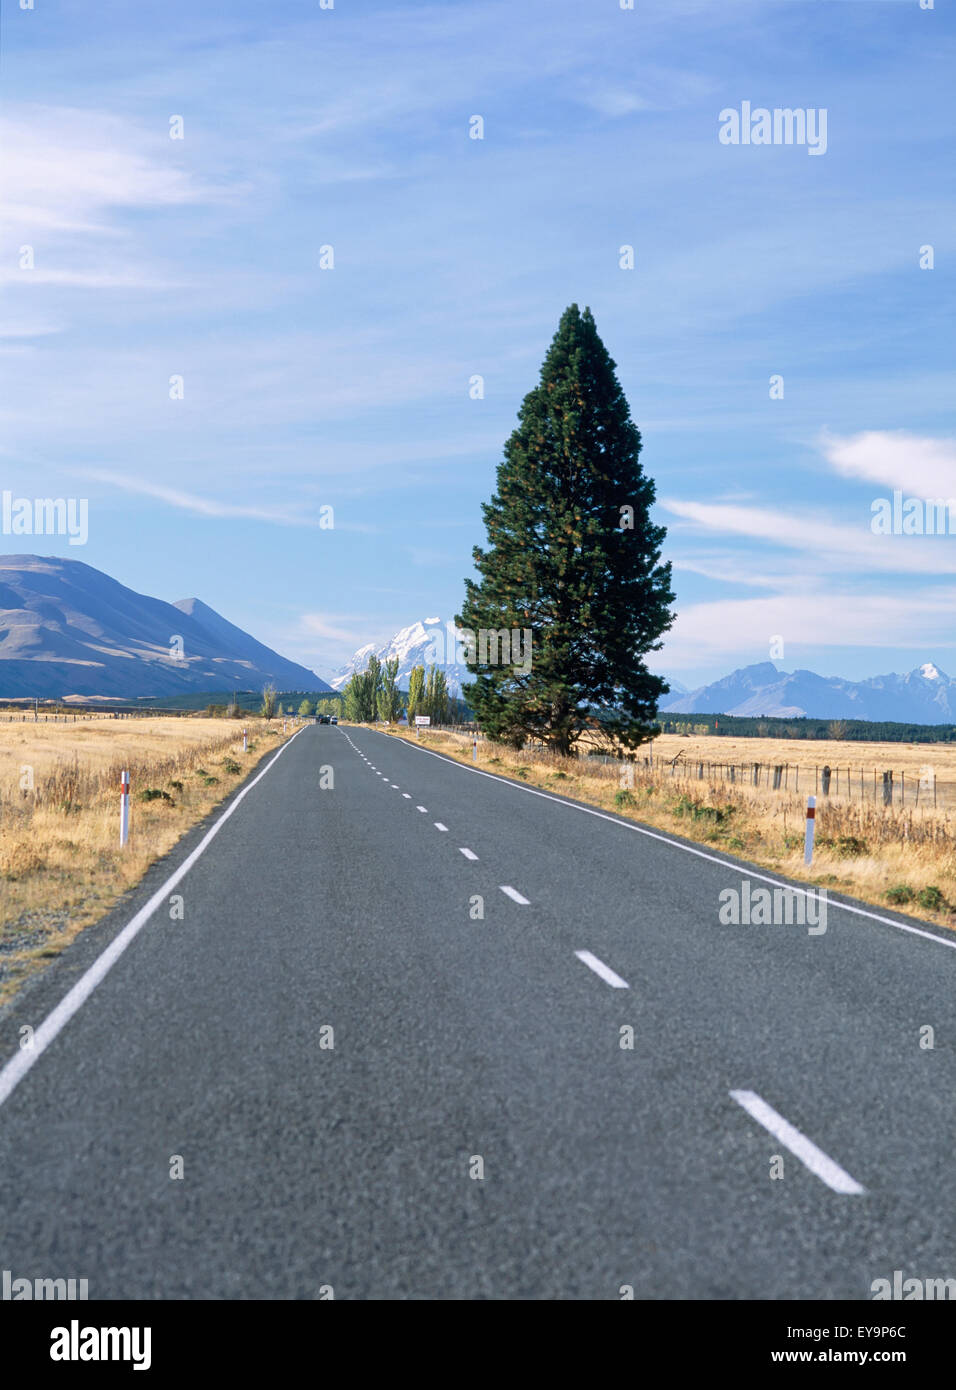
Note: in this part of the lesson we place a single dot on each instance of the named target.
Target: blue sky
(349, 387)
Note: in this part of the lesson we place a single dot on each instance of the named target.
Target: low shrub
(899, 893)
(686, 806)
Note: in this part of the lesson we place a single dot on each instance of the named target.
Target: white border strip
(18, 1066)
(736, 865)
(815, 1159)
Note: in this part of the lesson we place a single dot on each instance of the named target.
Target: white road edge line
(468, 853)
(813, 1158)
(16, 1069)
(732, 864)
(514, 894)
(605, 971)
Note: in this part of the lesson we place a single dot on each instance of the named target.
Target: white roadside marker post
(245, 742)
(474, 750)
(811, 823)
(124, 808)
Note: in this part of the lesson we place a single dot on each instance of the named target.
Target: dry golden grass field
(898, 856)
(61, 866)
(910, 763)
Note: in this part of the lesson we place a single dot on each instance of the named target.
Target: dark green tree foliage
(388, 696)
(435, 702)
(416, 692)
(361, 693)
(566, 559)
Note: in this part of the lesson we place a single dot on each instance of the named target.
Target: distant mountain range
(925, 695)
(416, 645)
(69, 629)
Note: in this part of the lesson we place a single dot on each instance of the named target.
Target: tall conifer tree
(573, 555)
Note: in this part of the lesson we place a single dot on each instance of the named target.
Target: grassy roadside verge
(882, 857)
(61, 866)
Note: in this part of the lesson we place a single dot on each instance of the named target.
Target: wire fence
(880, 786)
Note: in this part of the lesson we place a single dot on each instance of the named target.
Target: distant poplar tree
(361, 694)
(416, 692)
(440, 697)
(435, 700)
(388, 697)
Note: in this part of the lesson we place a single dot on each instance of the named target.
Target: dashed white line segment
(608, 975)
(785, 1133)
(514, 895)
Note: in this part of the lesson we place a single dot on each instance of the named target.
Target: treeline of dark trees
(768, 726)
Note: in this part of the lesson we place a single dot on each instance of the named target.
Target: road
(476, 1130)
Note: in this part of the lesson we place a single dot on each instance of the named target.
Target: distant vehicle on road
(324, 718)
(333, 719)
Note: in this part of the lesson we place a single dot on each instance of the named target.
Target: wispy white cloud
(727, 630)
(330, 627)
(921, 466)
(834, 547)
(203, 506)
(63, 168)
(29, 327)
(70, 177)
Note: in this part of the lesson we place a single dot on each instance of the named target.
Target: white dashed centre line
(605, 971)
(395, 785)
(815, 1159)
(422, 808)
(468, 853)
(514, 895)
(407, 796)
(439, 826)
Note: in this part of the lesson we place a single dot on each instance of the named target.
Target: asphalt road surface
(476, 1129)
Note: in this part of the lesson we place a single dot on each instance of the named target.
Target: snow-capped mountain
(925, 695)
(420, 644)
